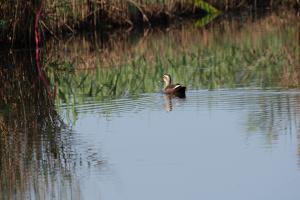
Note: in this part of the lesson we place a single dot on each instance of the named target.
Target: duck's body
(170, 89)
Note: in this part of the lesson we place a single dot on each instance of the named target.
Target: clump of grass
(220, 55)
(71, 15)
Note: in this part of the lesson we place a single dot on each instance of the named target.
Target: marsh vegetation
(221, 55)
(56, 18)
(99, 107)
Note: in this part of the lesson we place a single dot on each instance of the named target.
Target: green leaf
(207, 7)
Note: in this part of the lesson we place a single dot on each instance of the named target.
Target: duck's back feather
(177, 90)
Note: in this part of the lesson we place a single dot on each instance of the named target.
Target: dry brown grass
(116, 49)
(60, 16)
(251, 4)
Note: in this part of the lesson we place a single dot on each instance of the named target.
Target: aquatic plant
(217, 56)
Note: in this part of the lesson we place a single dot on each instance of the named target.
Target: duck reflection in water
(171, 101)
(168, 103)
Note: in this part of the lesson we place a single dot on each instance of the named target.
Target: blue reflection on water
(231, 144)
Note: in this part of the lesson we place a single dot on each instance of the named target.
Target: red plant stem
(36, 32)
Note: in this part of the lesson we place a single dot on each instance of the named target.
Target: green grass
(220, 57)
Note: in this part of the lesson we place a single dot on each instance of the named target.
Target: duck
(177, 90)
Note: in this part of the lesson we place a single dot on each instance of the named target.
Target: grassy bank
(69, 16)
(227, 54)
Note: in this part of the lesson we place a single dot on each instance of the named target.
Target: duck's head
(167, 79)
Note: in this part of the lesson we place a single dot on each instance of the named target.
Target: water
(110, 133)
(213, 144)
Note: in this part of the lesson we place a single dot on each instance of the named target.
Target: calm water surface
(232, 144)
(110, 133)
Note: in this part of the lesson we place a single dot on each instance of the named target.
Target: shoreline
(108, 18)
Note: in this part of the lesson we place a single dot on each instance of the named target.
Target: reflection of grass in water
(34, 151)
(273, 115)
